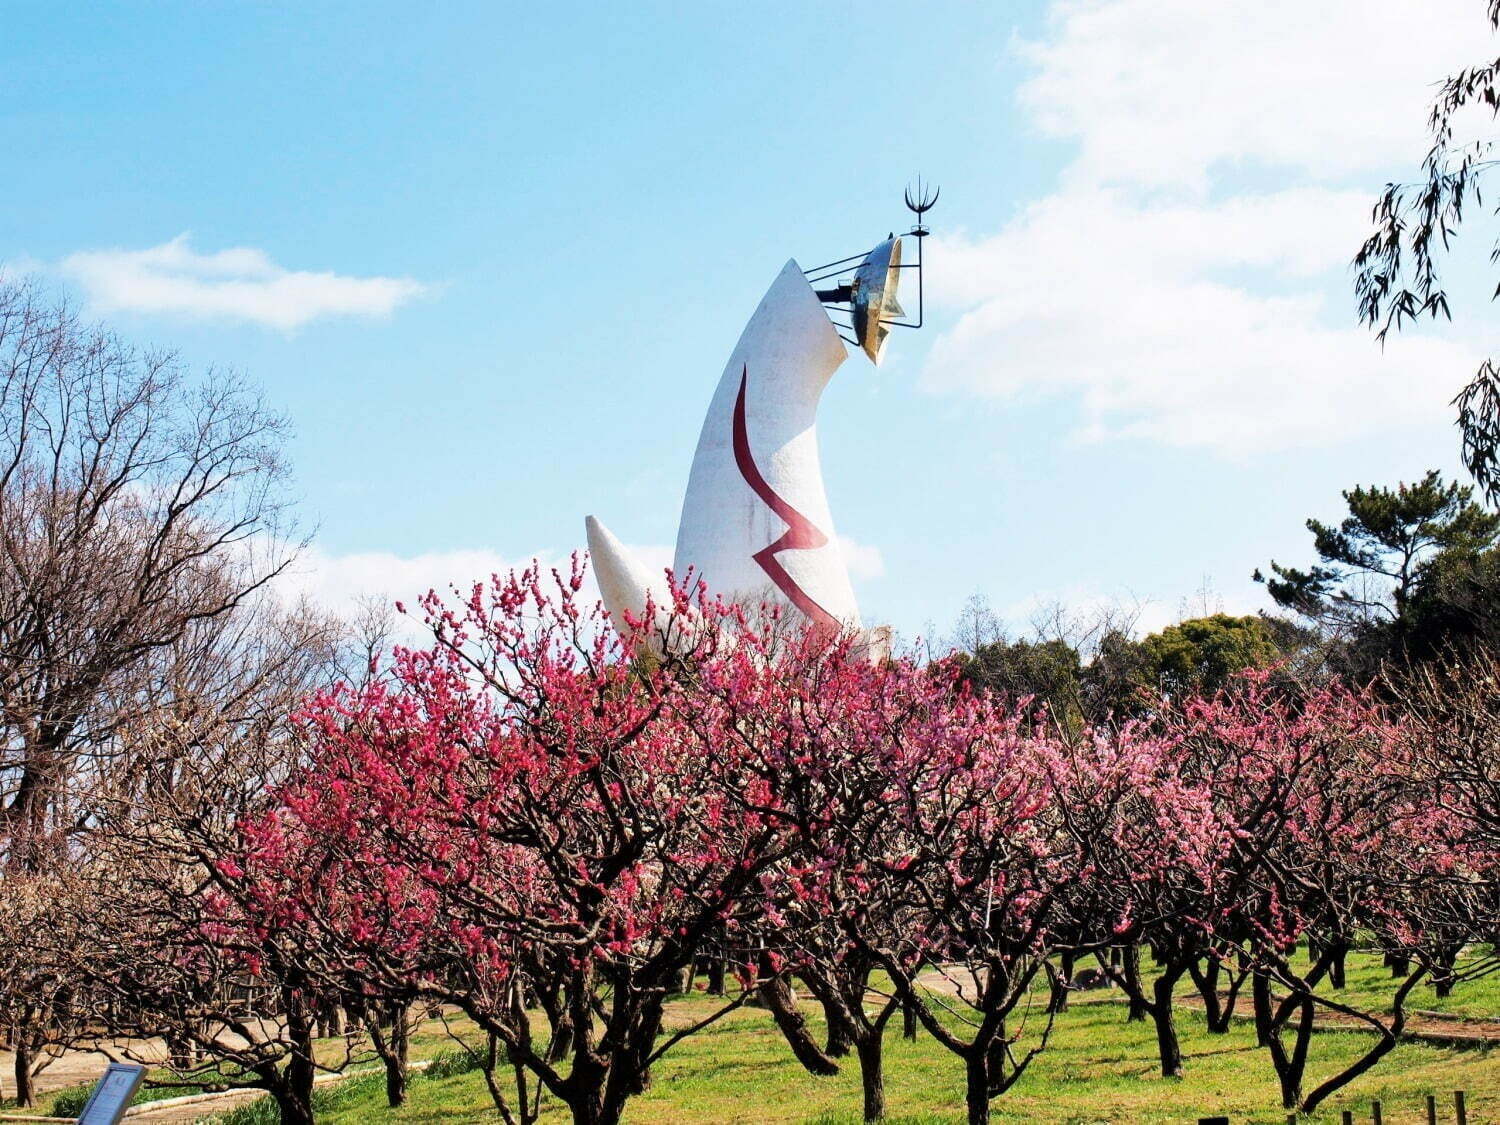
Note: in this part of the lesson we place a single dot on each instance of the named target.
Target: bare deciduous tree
(135, 505)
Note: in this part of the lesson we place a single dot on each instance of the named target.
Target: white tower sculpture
(755, 524)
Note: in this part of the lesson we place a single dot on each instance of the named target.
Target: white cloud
(1163, 92)
(240, 283)
(341, 583)
(1169, 305)
(1135, 310)
(19, 267)
(862, 559)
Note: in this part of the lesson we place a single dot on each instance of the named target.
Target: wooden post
(1213, 1121)
(1375, 1114)
(1460, 1110)
(1347, 1117)
(1431, 1109)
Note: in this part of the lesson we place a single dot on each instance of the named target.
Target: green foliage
(343, 1096)
(1049, 671)
(1458, 605)
(450, 1063)
(69, 1102)
(1126, 677)
(1392, 572)
(1119, 683)
(262, 1111)
(1203, 653)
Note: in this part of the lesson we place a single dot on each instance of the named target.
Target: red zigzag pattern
(801, 533)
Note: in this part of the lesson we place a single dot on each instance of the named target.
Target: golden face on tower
(874, 297)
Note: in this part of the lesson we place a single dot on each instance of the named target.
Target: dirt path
(181, 1113)
(72, 1068)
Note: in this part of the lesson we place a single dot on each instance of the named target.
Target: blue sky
(490, 259)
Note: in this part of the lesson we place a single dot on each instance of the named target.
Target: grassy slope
(1098, 1068)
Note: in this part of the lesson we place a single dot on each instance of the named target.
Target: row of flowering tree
(547, 827)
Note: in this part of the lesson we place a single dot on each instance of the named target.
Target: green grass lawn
(1369, 981)
(1370, 987)
(1098, 1068)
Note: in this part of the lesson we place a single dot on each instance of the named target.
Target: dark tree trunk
(716, 976)
(25, 1089)
(1158, 1005)
(625, 1077)
(396, 1059)
(840, 1034)
(488, 1063)
(1338, 964)
(909, 1022)
(1131, 971)
(560, 1020)
(999, 1080)
(390, 1034)
(586, 1111)
(1206, 979)
(776, 995)
(199, 1050)
(977, 1087)
(294, 1106)
(1389, 1037)
(293, 1092)
(1218, 1009)
(562, 1038)
(872, 1073)
(1058, 1000)
(1260, 993)
(590, 1081)
(395, 1082)
(1442, 970)
(1291, 1066)
(1167, 1045)
(649, 1029)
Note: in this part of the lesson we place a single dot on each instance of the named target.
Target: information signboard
(112, 1093)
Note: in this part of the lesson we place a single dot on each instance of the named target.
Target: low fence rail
(1377, 1113)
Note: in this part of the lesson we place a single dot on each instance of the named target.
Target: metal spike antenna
(918, 203)
(869, 297)
(922, 202)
